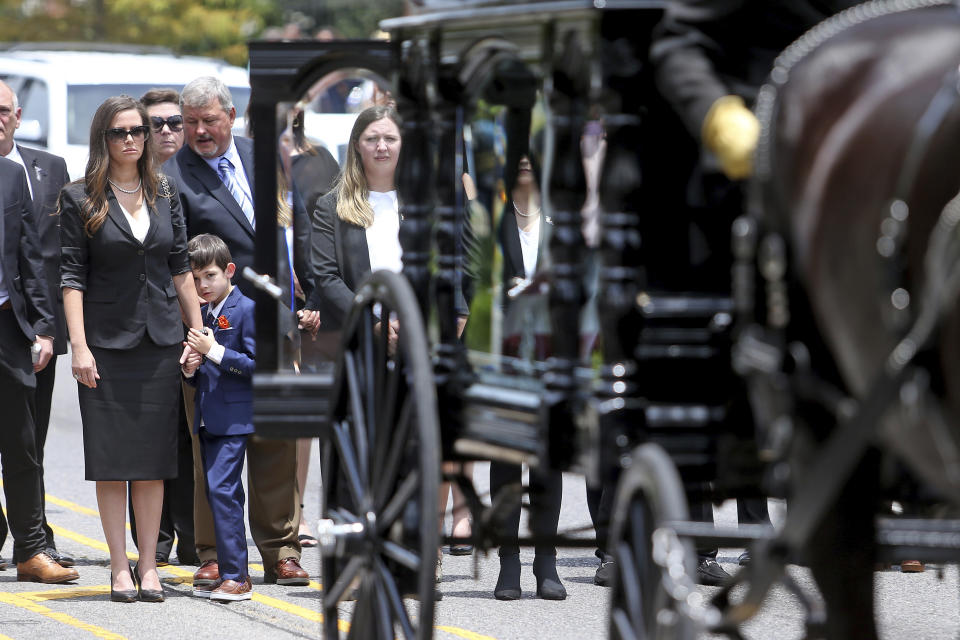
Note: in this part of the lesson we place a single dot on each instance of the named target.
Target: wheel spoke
(380, 349)
(361, 621)
(348, 463)
(395, 453)
(367, 375)
(631, 589)
(621, 626)
(357, 411)
(395, 600)
(381, 608)
(409, 559)
(343, 582)
(386, 417)
(405, 492)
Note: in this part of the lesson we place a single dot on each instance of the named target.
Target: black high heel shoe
(549, 586)
(146, 595)
(122, 595)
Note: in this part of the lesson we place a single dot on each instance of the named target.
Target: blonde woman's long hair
(94, 209)
(351, 185)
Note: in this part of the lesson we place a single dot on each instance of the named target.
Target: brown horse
(858, 169)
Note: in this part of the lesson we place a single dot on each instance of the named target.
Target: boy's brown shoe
(231, 590)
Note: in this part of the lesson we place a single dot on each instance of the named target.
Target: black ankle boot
(508, 583)
(549, 586)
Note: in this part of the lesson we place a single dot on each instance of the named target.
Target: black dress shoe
(604, 575)
(709, 572)
(146, 595)
(121, 595)
(61, 559)
(461, 549)
(744, 559)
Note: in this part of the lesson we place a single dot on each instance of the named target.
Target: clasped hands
(196, 346)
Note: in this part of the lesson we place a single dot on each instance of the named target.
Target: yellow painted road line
(3, 637)
(89, 542)
(293, 609)
(24, 603)
(463, 633)
(62, 594)
(72, 506)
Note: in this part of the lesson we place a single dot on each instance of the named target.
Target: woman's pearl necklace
(118, 187)
(525, 215)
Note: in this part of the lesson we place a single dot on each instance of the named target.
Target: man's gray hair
(201, 91)
(16, 101)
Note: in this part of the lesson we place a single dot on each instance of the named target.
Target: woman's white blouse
(529, 244)
(140, 226)
(383, 236)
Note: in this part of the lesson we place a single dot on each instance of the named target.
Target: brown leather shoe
(208, 573)
(43, 568)
(288, 571)
(230, 590)
(204, 590)
(911, 566)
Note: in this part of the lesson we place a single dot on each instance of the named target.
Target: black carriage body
(586, 63)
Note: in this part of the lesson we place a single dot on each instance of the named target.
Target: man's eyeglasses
(174, 122)
(119, 135)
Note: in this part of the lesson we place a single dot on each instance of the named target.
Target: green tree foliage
(212, 28)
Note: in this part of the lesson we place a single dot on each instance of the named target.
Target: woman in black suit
(124, 268)
(520, 236)
(355, 227)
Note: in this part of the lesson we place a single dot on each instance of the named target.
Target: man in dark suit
(214, 175)
(46, 175)
(26, 319)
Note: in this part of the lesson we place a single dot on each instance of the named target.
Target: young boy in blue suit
(223, 417)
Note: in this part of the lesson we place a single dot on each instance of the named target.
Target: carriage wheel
(650, 493)
(381, 470)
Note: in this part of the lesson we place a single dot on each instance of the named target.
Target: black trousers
(176, 518)
(44, 400)
(545, 491)
(18, 447)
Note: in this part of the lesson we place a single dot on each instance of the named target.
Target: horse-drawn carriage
(838, 324)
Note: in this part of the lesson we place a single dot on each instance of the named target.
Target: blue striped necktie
(230, 179)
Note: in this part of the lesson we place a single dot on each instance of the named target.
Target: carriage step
(689, 306)
(502, 423)
(287, 405)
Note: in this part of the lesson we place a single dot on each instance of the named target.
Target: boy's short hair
(207, 248)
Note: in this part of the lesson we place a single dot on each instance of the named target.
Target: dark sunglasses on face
(119, 135)
(174, 122)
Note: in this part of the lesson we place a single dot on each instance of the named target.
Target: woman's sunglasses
(174, 122)
(119, 135)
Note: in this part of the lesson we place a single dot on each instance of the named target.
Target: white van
(61, 86)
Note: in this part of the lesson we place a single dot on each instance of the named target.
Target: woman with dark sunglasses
(124, 268)
(163, 107)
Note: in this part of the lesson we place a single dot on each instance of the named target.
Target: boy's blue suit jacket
(225, 392)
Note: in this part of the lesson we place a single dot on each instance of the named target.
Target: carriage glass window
(313, 148)
(509, 326)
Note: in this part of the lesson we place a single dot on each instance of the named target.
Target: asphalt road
(917, 606)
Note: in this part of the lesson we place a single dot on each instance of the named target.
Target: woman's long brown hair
(94, 209)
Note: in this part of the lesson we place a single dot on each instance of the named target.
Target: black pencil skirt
(130, 419)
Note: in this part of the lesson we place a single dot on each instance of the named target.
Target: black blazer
(209, 207)
(22, 266)
(340, 260)
(47, 174)
(128, 286)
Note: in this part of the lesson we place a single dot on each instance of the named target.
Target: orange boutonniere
(223, 323)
